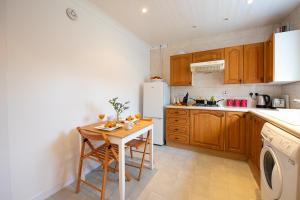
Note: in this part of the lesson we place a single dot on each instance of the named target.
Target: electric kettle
(263, 100)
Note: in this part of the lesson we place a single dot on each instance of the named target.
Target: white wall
(4, 141)
(211, 84)
(293, 19)
(61, 73)
(293, 89)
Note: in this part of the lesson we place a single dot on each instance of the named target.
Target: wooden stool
(137, 143)
(105, 154)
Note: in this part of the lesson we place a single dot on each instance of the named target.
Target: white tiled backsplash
(212, 84)
(293, 90)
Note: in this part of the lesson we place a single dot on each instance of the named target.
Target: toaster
(278, 103)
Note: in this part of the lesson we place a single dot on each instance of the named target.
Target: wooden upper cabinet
(235, 132)
(180, 70)
(269, 60)
(234, 63)
(210, 55)
(254, 63)
(207, 129)
(251, 63)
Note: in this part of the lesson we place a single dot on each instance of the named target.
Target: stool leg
(80, 166)
(105, 171)
(131, 154)
(143, 158)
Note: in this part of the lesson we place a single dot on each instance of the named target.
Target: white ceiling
(172, 20)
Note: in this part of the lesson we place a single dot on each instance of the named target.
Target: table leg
(83, 163)
(122, 171)
(151, 148)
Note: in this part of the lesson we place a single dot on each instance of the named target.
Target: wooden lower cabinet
(256, 141)
(178, 138)
(177, 126)
(233, 132)
(235, 140)
(248, 127)
(207, 129)
(255, 126)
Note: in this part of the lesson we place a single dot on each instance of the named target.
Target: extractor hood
(207, 67)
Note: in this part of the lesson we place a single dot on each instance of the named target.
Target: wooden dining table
(120, 137)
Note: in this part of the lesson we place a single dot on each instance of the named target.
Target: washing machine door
(270, 173)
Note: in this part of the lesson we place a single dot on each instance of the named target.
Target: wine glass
(137, 116)
(101, 117)
(129, 118)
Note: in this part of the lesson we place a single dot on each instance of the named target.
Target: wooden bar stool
(105, 154)
(136, 144)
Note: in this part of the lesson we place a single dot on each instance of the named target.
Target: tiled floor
(179, 174)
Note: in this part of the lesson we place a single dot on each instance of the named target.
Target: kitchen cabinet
(248, 125)
(255, 141)
(282, 57)
(269, 60)
(232, 132)
(235, 132)
(180, 70)
(275, 60)
(207, 129)
(234, 65)
(210, 55)
(253, 63)
(177, 126)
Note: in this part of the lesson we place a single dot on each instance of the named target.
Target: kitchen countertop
(286, 119)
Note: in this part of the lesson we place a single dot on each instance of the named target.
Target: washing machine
(279, 164)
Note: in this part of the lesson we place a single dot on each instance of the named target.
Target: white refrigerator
(156, 97)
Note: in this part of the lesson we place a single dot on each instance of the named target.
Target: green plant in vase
(118, 106)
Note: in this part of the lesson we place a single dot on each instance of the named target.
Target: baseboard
(212, 152)
(47, 193)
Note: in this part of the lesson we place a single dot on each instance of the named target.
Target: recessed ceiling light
(250, 1)
(226, 19)
(144, 10)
